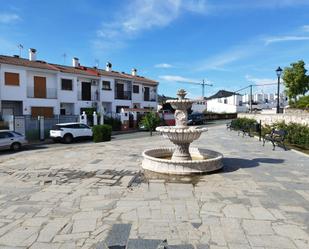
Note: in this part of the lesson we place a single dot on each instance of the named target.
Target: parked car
(67, 132)
(196, 119)
(12, 140)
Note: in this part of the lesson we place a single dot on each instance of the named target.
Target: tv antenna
(21, 47)
(96, 62)
(64, 55)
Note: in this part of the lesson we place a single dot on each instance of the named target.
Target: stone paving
(91, 196)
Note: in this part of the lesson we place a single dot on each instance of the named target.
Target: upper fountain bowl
(181, 135)
(180, 104)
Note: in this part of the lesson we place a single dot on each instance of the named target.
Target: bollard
(95, 119)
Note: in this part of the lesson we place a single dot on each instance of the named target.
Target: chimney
(75, 62)
(134, 71)
(32, 54)
(108, 67)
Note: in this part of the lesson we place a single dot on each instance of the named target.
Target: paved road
(77, 196)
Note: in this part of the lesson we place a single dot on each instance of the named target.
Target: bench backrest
(279, 134)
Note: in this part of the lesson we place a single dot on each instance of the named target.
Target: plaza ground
(91, 196)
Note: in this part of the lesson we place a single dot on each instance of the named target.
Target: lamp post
(278, 72)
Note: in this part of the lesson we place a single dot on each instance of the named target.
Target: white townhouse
(35, 87)
(225, 102)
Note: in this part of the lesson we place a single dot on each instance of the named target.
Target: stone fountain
(181, 159)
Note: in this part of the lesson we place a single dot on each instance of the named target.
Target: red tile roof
(82, 70)
(11, 60)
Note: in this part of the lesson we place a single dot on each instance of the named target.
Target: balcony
(127, 95)
(44, 93)
(150, 99)
(91, 96)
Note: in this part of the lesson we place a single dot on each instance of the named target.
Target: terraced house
(38, 88)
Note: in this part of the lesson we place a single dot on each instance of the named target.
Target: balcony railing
(50, 93)
(123, 95)
(93, 96)
(151, 99)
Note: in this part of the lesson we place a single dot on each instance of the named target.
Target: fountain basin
(203, 160)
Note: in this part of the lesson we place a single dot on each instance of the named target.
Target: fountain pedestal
(181, 159)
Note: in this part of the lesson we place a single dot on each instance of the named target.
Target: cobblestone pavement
(77, 196)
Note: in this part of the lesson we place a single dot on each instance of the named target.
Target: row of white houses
(33, 87)
(229, 102)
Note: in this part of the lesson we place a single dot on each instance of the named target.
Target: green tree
(151, 120)
(295, 80)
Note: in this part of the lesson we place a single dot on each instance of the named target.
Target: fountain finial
(181, 93)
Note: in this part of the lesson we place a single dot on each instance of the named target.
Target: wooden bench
(276, 137)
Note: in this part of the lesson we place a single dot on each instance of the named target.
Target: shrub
(115, 123)
(32, 135)
(151, 120)
(301, 103)
(241, 123)
(101, 133)
(297, 134)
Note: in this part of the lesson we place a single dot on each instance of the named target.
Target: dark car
(196, 119)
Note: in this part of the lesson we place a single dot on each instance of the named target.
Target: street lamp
(278, 72)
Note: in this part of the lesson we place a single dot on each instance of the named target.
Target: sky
(228, 43)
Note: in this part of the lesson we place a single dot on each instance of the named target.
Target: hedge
(241, 123)
(101, 133)
(297, 134)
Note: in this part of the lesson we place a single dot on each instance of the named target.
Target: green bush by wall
(241, 123)
(297, 134)
(101, 133)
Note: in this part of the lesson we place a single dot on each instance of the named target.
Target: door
(19, 123)
(39, 84)
(47, 112)
(120, 91)
(86, 91)
(146, 94)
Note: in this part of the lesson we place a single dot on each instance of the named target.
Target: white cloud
(277, 39)
(163, 65)
(6, 18)
(263, 85)
(305, 28)
(219, 61)
(260, 81)
(142, 15)
(177, 78)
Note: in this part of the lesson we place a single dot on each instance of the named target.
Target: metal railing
(93, 96)
(51, 93)
(123, 95)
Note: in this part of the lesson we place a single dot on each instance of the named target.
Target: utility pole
(251, 98)
(203, 87)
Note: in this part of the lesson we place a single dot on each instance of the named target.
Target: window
(106, 85)
(83, 126)
(11, 79)
(135, 88)
(66, 84)
(225, 101)
(6, 135)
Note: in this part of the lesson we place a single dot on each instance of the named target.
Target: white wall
(107, 95)
(13, 92)
(65, 95)
(232, 106)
